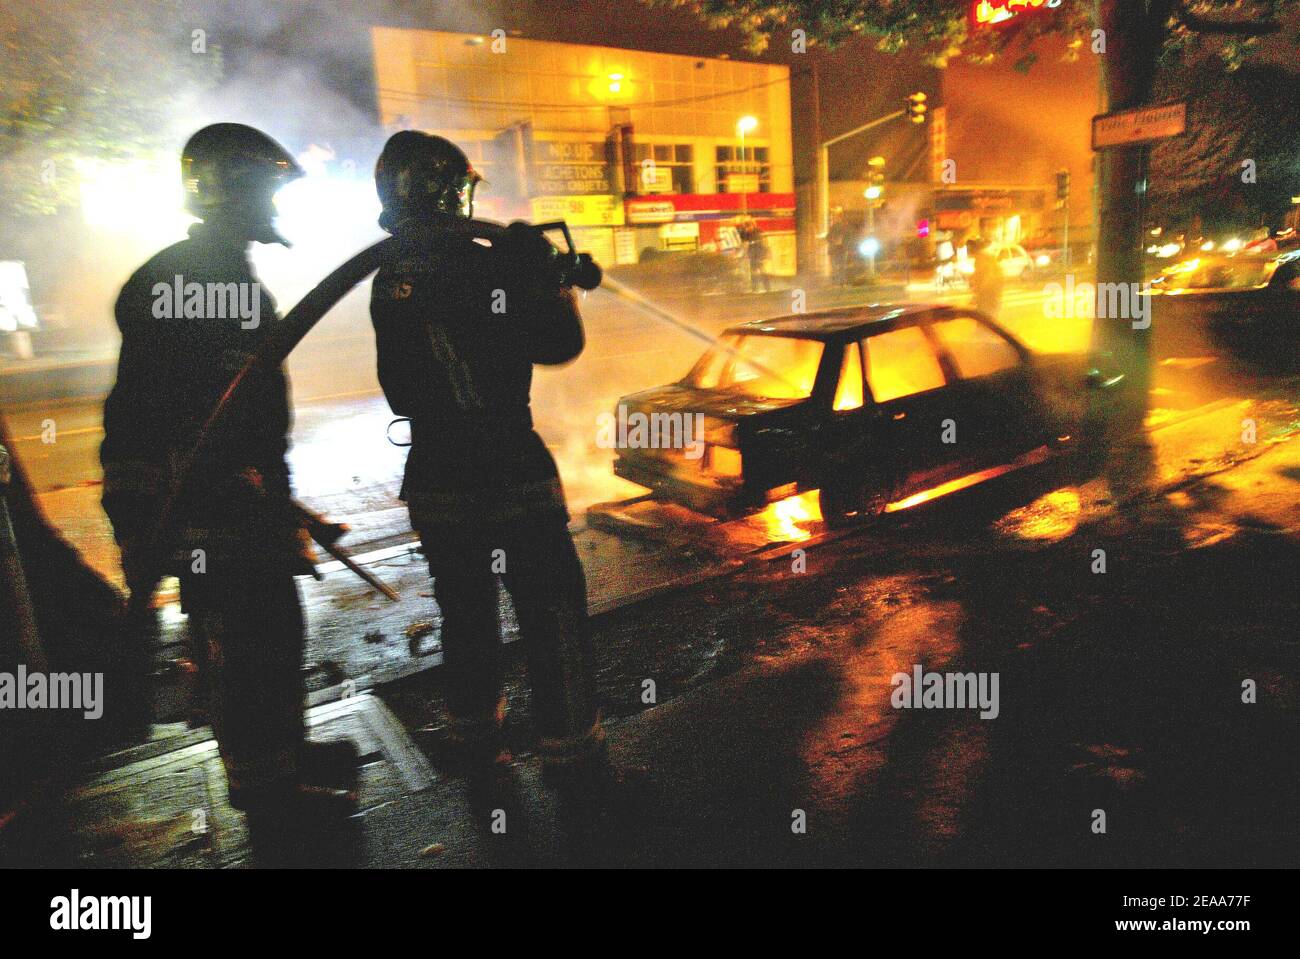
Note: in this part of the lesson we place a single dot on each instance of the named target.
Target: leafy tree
(1132, 37)
(88, 79)
(1239, 164)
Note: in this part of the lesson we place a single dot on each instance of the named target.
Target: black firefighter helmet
(231, 173)
(421, 173)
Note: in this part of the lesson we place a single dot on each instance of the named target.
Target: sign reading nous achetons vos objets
(1139, 126)
(568, 168)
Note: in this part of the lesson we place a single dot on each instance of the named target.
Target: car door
(909, 388)
(994, 405)
(852, 450)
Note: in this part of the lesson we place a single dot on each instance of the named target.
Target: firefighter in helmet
(190, 317)
(459, 324)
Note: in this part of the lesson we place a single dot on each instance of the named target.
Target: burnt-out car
(869, 405)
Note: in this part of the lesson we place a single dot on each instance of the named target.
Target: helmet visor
(465, 194)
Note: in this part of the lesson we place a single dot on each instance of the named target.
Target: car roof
(844, 321)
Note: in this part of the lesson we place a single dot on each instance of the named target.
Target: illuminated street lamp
(874, 191)
(746, 124)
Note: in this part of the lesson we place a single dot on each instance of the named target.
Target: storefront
(997, 214)
(708, 222)
(635, 150)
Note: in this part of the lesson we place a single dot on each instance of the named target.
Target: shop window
(676, 158)
(730, 163)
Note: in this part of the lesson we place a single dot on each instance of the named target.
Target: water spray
(629, 295)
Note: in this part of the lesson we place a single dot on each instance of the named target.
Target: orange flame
(784, 521)
(952, 486)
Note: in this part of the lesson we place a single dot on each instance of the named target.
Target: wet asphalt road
(1121, 690)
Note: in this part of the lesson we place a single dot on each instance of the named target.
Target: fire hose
(567, 266)
(271, 352)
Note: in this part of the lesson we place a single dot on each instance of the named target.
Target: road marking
(77, 432)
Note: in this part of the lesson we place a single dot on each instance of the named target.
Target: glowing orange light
(1050, 518)
(848, 395)
(988, 12)
(783, 521)
(724, 461)
(610, 86)
(952, 486)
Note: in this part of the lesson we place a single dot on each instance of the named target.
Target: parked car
(16, 311)
(852, 402)
(1012, 259)
(1247, 304)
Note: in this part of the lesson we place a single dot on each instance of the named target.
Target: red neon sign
(990, 12)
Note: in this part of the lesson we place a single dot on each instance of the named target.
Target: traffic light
(875, 178)
(916, 107)
(1063, 185)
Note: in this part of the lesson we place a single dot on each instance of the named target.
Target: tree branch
(1237, 28)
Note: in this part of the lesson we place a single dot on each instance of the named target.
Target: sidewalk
(58, 375)
(163, 804)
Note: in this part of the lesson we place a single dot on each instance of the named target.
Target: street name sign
(1139, 126)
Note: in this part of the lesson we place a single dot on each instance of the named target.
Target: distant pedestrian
(986, 282)
(757, 252)
(837, 246)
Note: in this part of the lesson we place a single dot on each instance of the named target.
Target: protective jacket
(458, 327)
(190, 317)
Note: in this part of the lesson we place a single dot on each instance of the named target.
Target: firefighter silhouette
(190, 317)
(459, 325)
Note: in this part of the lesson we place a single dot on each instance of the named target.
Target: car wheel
(843, 505)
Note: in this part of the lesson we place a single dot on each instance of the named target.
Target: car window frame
(869, 391)
(732, 360)
(836, 367)
(949, 363)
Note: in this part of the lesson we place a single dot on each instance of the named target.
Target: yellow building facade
(636, 150)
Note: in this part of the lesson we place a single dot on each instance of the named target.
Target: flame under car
(869, 406)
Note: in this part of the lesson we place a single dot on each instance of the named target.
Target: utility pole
(820, 259)
(915, 110)
(746, 124)
(874, 195)
(1063, 198)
